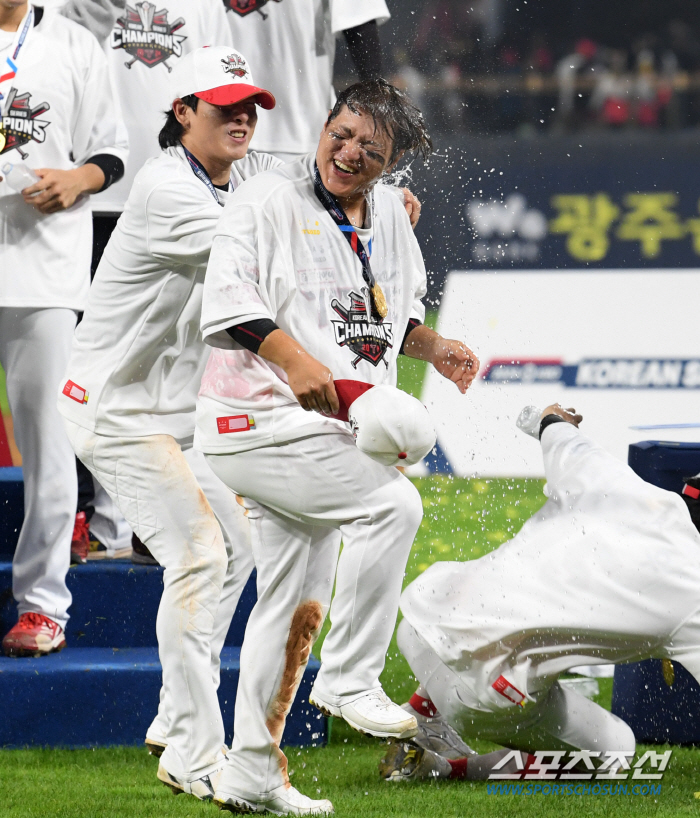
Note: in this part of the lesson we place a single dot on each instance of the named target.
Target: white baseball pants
(302, 498)
(35, 347)
(560, 720)
(167, 494)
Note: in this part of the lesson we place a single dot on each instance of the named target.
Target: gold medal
(3, 139)
(379, 301)
(669, 671)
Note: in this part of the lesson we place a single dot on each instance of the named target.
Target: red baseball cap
(218, 75)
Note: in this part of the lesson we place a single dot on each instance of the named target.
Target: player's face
(13, 5)
(223, 131)
(352, 154)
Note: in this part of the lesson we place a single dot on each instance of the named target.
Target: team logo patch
(510, 692)
(235, 423)
(236, 65)
(147, 36)
(75, 392)
(244, 7)
(21, 123)
(358, 331)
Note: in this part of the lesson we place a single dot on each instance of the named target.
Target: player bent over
(292, 301)
(129, 396)
(607, 571)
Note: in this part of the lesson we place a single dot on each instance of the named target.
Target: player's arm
(309, 379)
(365, 49)
(59, 189)
(452, 359)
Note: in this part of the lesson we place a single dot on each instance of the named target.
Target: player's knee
(408, 506)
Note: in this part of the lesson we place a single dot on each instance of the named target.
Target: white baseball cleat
(283, 800)
(202, 788)
(372, 713)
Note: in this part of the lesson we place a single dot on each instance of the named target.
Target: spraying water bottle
(529, 421)
(19, 176)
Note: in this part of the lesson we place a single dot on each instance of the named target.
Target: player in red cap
(128, 397)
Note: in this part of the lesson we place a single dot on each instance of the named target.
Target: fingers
(412, 206)
(333, 399)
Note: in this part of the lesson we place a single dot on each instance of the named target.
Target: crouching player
(607, 571)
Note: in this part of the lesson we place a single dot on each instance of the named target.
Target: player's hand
(412, 205)
(58, 190)
(455, 361)
(312, 384)
(569, 415)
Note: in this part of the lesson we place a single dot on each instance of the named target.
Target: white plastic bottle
(19, 176)
(529, 421)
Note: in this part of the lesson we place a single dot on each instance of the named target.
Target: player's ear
(182, 113)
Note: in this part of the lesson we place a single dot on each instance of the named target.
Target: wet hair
(392, 111)
(171, 133)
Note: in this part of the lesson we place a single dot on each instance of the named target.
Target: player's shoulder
(59, 27)
(167, 179)
(276, 186)
(253, 163)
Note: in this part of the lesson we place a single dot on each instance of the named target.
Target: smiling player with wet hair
(315, 274)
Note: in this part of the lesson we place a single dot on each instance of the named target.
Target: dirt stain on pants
(303, 632)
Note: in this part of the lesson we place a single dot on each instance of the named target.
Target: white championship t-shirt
(279, 255)
(145, 44)
(290, 45)
(59, 111)
(138, 355)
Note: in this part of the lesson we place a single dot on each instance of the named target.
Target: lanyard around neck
(8, 70)
(202, 175)
(336, 212)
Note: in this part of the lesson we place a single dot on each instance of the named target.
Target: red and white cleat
(80, 542)
(34, 635)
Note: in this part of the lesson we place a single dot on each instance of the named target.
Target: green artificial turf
(464, 519)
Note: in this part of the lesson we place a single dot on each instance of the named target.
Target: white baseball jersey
(144, 45)
(138, 355)
(291, 46)
(607, 571)
(59, 112)
(279, 255)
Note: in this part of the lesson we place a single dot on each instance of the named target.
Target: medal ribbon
(337, 213)
(9, 68)
(201, 174)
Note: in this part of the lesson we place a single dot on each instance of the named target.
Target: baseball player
(60, 119)
(292, 45)
(129, 395)
(607, 571)
(143, 44)
(292, 301)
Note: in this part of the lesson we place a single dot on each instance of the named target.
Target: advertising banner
(619, 346)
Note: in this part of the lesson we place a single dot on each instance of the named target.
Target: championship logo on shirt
(147, 36)
(368, 339)
(20, 123)
(245, 7)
